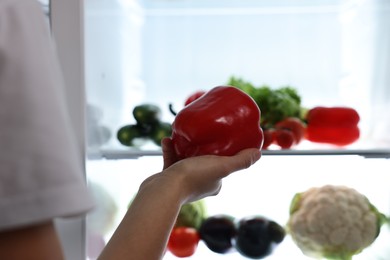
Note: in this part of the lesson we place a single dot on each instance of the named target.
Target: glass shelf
(133, 153)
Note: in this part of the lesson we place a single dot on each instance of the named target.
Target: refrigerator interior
(266, 189)
(160, 51)
(334, 53)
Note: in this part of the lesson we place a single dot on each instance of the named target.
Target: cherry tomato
(284, 138)
(194, 97)
(183, 241)
(295, 125)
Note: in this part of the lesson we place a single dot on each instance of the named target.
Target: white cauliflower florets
(333, 222)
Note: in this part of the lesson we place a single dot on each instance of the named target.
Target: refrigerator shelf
(119, 154)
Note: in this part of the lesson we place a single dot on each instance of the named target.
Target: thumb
(169, 156)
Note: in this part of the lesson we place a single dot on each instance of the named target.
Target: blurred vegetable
(147, 114)
(284, 138)
(148, 127)
(217, 232)
(330, 116)
(276, 232)
(192, 214)
(194, 97)
(269, 135)
(223, 121)
(127, 134)
(333, 222)
(183, 241)
(159, 131)
(257, 236)
(332, 125)
(295, 125)
(275, 104)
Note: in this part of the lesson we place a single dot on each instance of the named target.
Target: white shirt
(41, 169)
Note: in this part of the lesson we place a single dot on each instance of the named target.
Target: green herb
(275, 104)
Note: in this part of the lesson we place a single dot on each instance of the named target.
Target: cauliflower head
(333, 222)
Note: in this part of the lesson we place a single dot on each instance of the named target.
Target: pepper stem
(170, 106)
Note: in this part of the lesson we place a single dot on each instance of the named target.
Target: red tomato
(295, 125)
(194, 97)
(284, 138)
(183, 241)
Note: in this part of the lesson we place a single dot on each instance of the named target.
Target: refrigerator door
(66, 22)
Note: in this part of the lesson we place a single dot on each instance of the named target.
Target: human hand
(169, 155)
(202, 176)
(147, 225)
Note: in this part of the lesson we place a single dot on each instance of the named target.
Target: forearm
(154, 210)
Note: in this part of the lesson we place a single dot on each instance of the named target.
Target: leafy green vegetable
(192, 214)
(275, 104)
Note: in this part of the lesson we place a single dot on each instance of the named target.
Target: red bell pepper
(223, 121)
(332, 125)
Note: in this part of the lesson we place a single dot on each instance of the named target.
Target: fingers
(201, 176)
(169, 156)
(242, 160)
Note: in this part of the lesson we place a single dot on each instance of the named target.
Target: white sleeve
(41, 168)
